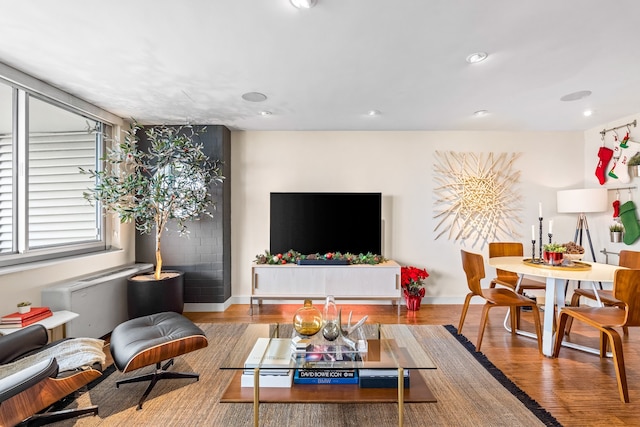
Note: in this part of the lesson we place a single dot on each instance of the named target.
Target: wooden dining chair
(473, 265)
(628, 259)
(507, 278)
(626, 290)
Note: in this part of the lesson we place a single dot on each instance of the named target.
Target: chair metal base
(52, 417)
(160, 373)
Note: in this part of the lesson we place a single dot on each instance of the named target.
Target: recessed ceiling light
(481, 113)
(303, 4)
(373, 113)
(254, 97)
(587, 113)
(474, 58)
(576, 95)
(265, 113)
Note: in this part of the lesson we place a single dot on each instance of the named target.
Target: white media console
(346, 282)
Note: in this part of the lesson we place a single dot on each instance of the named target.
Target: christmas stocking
(616, 208)
(626, 150)
(630, 221)
(605, 154)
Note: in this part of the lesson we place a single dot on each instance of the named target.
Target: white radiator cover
(100, 299)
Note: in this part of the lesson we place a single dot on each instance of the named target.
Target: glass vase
(330, 319)
(307, 320)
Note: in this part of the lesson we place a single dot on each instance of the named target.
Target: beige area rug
(467, 394)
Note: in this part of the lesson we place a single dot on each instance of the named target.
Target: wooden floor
(578, 388)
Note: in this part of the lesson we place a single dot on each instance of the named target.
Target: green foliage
(616, 227)
(291, 257)
(634, 161)
(169, 181)
(24, 304)
(554, 247)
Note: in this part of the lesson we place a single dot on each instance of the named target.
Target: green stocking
(630, 222)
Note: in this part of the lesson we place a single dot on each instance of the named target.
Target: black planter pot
(149, 296)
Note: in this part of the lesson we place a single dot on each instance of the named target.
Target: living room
(382, 153)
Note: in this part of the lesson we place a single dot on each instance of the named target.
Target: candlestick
(540, 210)
(551, 226)
(533, 233)
(533, 250)
(550, 235)
(540, 229)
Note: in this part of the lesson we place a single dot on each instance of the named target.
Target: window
(43, 213)
(6, 169)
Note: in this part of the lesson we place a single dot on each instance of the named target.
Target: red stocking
(616, 208)
(605, 154)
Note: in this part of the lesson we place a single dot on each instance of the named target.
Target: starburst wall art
(476, 199)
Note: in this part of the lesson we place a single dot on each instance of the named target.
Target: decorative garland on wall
(476, 200)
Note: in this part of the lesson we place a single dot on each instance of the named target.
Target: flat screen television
(326, 222)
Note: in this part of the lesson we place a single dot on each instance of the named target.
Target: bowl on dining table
(574, 257)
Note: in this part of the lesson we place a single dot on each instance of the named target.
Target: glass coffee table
(379, 348)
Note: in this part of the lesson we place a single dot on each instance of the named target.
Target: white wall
(399, 165)
(599, 222)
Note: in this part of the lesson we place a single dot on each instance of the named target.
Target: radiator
(100, 300)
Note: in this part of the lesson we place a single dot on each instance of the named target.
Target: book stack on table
(277, 359)
(381, 378)
(20, 320)
(327, 364)
(299, 347)
(274, 363)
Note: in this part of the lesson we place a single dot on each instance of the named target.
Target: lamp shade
(582, 200)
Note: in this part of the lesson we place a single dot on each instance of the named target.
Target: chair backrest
(497, 249)
(626, 288)
(473, 265)
(629, 259)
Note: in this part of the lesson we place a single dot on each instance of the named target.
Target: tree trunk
(158, 258)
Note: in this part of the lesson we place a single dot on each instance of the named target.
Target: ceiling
(169, 61)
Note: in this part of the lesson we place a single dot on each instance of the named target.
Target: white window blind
(6, 194)
(58, 213)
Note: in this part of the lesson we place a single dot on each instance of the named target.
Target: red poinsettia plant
(412, 280)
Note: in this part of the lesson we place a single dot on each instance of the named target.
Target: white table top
(58, 318)
(598, 273)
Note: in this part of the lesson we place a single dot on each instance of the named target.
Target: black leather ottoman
(153, 339)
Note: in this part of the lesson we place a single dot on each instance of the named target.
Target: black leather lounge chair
(29, 389)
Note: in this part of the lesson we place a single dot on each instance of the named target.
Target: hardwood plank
(578, 388)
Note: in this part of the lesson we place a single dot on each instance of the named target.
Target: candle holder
(540, 248)
(550, 236)
(533, 251)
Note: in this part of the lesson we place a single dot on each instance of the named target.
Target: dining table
(556, 279)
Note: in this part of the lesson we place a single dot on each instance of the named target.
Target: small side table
(55, 325)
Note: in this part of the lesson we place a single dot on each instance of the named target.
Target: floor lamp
(583, 201)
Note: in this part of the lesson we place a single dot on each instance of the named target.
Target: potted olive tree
(169, 183)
